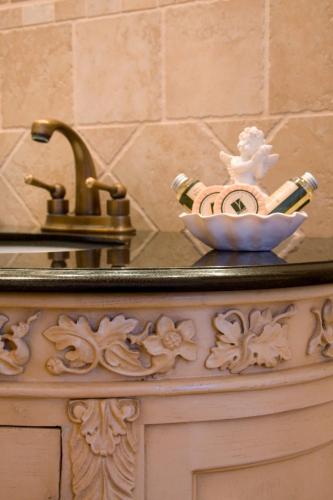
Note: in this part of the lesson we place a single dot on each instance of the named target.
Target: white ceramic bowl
(247, 232)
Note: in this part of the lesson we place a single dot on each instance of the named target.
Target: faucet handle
(57, 191)
(57, 205)
(116, 190)
(118, 208)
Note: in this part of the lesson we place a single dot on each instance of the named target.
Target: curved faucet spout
(87, 200)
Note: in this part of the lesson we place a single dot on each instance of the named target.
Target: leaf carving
(14, 352)
(322, 336)
(260, 339)
(102, 448)
(117, 347)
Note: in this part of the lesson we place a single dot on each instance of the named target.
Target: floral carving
(14, 352)
(116, 347)
(322, 336)
(259, 339)
(102, 448)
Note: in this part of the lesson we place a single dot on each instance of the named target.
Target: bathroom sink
(39, 242)
(10, 247)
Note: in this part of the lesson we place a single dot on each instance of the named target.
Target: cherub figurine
(254, 160)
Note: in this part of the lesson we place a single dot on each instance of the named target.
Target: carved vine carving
(102, 448)
(322, 336)
(259, 339)
(115, 347)
(14, 352)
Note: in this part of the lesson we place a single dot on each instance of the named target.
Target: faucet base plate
(84, 224)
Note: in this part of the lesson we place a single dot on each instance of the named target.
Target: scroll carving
(259, 339)
(14, 352)
(116, 347)
(103, 448)
(322, 336)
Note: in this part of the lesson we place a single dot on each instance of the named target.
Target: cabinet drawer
(30, 463)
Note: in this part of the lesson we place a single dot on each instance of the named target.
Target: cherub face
(249, 143)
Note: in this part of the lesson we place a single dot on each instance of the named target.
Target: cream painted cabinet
(188, 396)
(30, 462)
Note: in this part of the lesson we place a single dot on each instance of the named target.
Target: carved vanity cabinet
(173, 384)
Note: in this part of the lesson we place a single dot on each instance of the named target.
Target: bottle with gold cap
(186, 189)
(293, 195)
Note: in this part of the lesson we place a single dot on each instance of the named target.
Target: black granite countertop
(156, 262)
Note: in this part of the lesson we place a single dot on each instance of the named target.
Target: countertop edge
(165, 279)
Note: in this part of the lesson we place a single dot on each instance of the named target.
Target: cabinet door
(29, 463)
(284, 456)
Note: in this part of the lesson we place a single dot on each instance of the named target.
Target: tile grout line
(84, 19)
(266, 56)
(135, 203)
(4, 166)
(21, 201)
(163, 71)
(74, 66)
(16, 147)
(276, 129)
(125, 147)
(210, 133)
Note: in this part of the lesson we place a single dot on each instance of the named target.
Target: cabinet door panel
(29, 463)
(302, 477)
(283, 456)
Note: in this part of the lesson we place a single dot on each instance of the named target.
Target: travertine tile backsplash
(157, 87)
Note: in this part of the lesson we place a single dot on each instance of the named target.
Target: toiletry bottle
(292, 195)
(186, 189)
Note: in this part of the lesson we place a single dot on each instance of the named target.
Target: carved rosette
(14, 352)
(116, 347)
(103, 448)
(258, 339)
(322, 337)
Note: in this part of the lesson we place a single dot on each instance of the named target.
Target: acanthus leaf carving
(103, 448)
(322, 336)
(259, 339)
(116, 347)
(14, 352)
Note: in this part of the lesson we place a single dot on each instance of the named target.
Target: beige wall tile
(158, 154)
(52, 162)
(172, 2)
(228, 131)
(107, 142)
(118, 69)
(38, 13)
(11, 18)
(13, 213)
(7, 142)
(301, 62)
(138, 4)
(100, 7)
(37, 80)
(214, 58)
(138, 219)
(305, 144)
(69, 9)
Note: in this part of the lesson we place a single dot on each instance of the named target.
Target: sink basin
(37, 242)
(41, 247)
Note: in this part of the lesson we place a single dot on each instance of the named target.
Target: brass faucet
(87, 216)
(87, 200)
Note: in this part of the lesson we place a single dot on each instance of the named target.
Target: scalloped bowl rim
(227, 231)
(276, 215)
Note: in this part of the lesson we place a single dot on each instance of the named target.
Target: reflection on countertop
(157, 250)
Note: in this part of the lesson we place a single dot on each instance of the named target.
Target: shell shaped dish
(247, 232)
